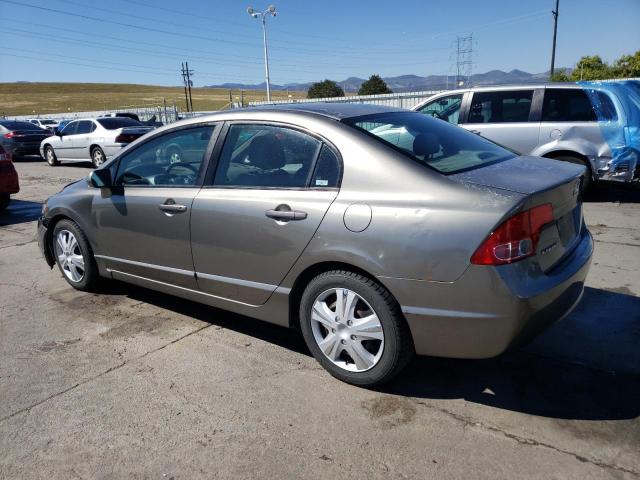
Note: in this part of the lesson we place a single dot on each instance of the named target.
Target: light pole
(271, 10)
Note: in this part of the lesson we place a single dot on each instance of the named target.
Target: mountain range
(409, 83)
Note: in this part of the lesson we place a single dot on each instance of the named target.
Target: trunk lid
(542, 181)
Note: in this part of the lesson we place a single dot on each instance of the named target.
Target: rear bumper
(489, 310)
(24, 149)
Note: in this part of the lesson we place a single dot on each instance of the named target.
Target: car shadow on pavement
(586, 367)
(613, 192)
(20, 211)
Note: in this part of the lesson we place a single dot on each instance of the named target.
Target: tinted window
(567, 105)
(446, 108)
(117, 122)
(47, 122)
(500, 107)
(442, 146)
(84, 126)
(15, 125)
(266, 156)
(70, 129)
(172, 159)
(327, 171)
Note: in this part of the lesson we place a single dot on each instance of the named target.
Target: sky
(145, 41)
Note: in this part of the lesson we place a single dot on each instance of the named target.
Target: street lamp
(271, 10)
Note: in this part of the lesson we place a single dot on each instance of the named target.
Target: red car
(8, 178)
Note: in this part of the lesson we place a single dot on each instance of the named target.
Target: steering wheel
(185, 179)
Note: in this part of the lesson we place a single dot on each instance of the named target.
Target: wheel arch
(554, 154)
(312, 271)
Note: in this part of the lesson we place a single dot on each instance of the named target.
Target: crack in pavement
(617, 243)
(469, 422)
(109, 370)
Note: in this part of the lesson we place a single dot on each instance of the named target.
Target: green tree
(374, 86)
(327, 88)
(560, 76)
(627, 66)
(591, 68)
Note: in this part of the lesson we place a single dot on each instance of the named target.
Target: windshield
(438, 144)
(114, 123)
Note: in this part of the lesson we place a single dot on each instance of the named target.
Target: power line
(186, 78)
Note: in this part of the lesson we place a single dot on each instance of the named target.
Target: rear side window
(266, 156)
(327, 171)
(567, 105)
(500, 107)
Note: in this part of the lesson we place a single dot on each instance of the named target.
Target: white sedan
(95, 139)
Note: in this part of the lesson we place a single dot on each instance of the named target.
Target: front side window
(266, 156)
(172, 159)
(567, 105)
(70, 129)
(84, 126)
(500, 107)
(439, 145)
(445, 108)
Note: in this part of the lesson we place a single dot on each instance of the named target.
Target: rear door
(272, 187)
(505, 117)
(81, 140)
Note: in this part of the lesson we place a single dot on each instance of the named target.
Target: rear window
(567, 105)
(118, 122)
(47, 122)
(435, 143)
(20, 126)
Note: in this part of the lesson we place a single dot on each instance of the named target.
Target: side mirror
(59, 133)
(100, 178)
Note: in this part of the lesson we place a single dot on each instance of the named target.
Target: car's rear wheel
(578, 161)
(74, 256)
(5, 199)
(50, 156)
(97, 156)
(354, 328)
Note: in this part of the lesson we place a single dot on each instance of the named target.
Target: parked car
(560, 121)
(45, 123)
(302, 216)
(21, 138)
(8, 179)
(91, 139)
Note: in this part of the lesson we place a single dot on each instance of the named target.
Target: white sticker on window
(322, 183)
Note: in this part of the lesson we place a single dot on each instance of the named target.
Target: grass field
(43, 98)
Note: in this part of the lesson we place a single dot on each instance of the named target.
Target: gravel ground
(130, 383)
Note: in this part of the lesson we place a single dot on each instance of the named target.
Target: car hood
(524, 175)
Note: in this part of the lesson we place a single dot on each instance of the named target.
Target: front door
(272, 187)
(64, 145)
(503, 116)
(143, 222)
(81, 140)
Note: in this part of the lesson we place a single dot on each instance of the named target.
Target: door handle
(477, 132)
(170, 206)
(283, 213)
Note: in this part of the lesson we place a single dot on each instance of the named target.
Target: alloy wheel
(98, 157)
(347, 330)
(69, 255)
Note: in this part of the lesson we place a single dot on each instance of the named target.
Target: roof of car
(335, 110)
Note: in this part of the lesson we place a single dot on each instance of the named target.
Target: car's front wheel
(97, 157)
(50, 156)
(354, 328)
(74, 256)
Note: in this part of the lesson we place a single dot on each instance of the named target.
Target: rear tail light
(9, 135)
(5, 161)
(126, 138)
(515, 239)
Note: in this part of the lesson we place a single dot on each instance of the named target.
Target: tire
(578, 161)
(66, 254)
(376, 360)
(5, 199)
(97, 157)
(50, 156)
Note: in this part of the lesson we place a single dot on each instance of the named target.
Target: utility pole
(186, 79)
(464, 60)
(263, 17)
(555, 14)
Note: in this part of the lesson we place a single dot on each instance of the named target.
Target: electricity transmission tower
(464, 60)
(186, 79)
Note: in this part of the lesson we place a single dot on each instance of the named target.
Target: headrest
(426, 144)
(266, 152)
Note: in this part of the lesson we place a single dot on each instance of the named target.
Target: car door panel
(238, 251)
